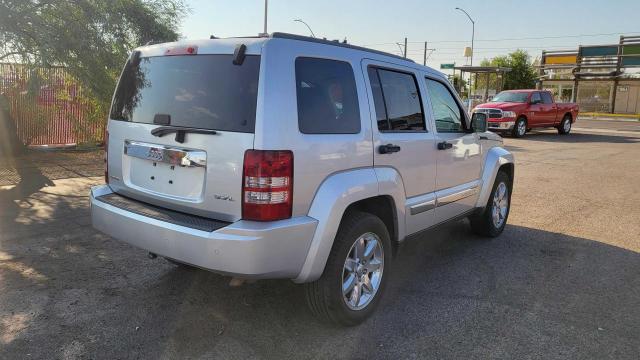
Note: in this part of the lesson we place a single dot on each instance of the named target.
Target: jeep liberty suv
(293, 157)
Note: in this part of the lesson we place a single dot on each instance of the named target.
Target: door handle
(388, 149)
(444, 145)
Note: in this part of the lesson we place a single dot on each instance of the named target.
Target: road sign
(447, 66)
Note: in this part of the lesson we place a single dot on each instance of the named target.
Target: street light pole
(473, 31)
(307, 25)
(266, 6)
(473, 34)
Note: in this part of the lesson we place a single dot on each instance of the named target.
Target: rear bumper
(245, 248)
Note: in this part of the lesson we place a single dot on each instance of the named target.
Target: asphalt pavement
(563, 280)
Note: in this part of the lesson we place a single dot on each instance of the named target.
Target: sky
(501, 25)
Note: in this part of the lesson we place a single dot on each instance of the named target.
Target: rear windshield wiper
(180, 132)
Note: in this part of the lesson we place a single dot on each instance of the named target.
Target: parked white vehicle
(293, 157)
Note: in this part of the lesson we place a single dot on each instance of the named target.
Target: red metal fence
(47, 106)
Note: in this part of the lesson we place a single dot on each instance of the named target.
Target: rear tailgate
(207, 106)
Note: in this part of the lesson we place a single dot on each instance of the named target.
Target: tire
(520, 128)
(483, 223)
(325, 296)
(565, 125)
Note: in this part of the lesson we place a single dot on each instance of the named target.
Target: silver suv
(293, 157)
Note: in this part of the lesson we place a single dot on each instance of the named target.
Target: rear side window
(546, 98)
(397, 100)
(195, 91)
(446, 112)
(327, 97)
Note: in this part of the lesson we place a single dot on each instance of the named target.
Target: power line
(517, 39)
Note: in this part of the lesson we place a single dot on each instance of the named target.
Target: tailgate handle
(160, 153)
(180, 133)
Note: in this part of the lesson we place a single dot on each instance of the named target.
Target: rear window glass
(327, 97)
(201, 91)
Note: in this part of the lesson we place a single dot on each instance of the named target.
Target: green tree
(521, 76)
(91, 38)
(460, 85)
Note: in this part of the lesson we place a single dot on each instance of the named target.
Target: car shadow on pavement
(580, 137)
(77, 293)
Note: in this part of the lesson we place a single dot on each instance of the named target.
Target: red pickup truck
(518, 111)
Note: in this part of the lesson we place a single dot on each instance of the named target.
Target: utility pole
(424, 61)
(405, 47)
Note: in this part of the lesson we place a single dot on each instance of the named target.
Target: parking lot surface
(563, 281)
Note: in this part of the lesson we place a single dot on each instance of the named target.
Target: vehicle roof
(522, 90)
(255, 43)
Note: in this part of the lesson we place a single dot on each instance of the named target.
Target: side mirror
(535, 102)
(479, 122)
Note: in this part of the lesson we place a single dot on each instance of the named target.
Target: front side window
(446, 112)
(546, 98)
(327, 97)
(397, 100)
(535, 98)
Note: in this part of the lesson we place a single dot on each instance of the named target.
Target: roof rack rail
(281, 35)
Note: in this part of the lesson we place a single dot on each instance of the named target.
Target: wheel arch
(498, 158)
(365, 189)
(384, 208)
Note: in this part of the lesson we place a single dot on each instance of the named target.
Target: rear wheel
(356, 272)
(493, 219)
(520, 128)
(565, 126)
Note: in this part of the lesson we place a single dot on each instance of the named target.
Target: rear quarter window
(327, 97)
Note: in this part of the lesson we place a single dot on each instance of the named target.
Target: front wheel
(356, 272)
(520, 128)
(493, 219)
(565, 126)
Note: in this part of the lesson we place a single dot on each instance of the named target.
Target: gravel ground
(563, 281)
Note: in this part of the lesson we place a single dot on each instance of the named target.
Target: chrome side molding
(448, 199)
(433, 201)
(422, 207)
(165, 154)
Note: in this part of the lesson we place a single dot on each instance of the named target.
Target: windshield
(202, 91)
(509, 96)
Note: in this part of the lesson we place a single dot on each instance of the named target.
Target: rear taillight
(106, 156)
(267, 185)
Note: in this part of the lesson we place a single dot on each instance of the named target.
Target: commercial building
(600, 78)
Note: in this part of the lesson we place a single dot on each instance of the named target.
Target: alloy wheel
(362, 271)
(522, 128)
(500, 204)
